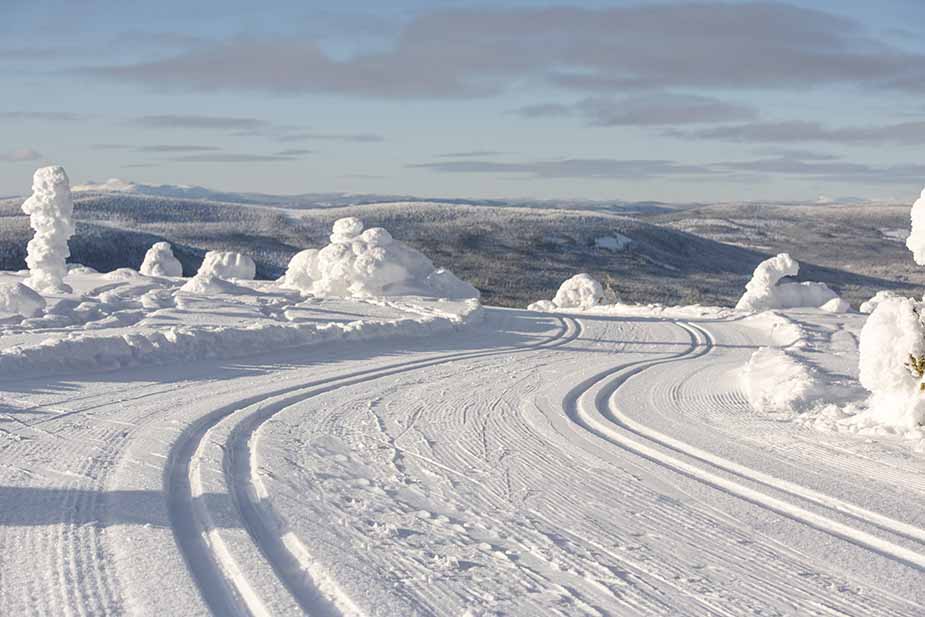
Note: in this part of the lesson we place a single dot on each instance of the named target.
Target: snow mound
(360, 263)
(776, 382)
(159, 261)
(209, 283)
(544, 306)
(836, 305)
(580, 291)
(121, 274)
(81, 269)
(51, 211)
(228, 265)
(18, 299)
(615, 242)
(916, 240)
(765, 291)
(893, 333)
(880, 296)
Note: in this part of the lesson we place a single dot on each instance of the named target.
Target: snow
(50, 211)
(766, 291)
(836, 305)
(370, 263)
(614, 242)
(775, 381)
(880, 296)
(159, 261)
(18, 299)
(228, 265)
(916, 240)
(893, 332)
(580, 291)
(209, 283)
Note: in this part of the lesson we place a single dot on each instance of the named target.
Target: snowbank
(580, 291)
(159, 261)
(206, 284)
(880, 296)
(765, 291)
(360, 263)
(776, 382)
(836, 305)
(916, 240)
(18, 299)
(228, 265)
(893, 333)
(82, 352)
(50, 211)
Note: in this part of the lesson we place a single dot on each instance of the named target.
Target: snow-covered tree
(51, 214)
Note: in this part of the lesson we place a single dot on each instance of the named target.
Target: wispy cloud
(294, 152)
(176, 148)
(571, 168)
(231, 158)
(343, 137)
(200, 122)
(40, 116)
(903, 133)
(478, 52)
(469, 154)
(657, 109)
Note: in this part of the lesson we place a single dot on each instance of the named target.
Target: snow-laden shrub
(916, 240)
(891, 346)
(370, 263)
(579, 291)
(51, 212)
(18, 299)
(765, 291)
(159, 261)
(776, 381)
(869, 306)
(228, 265)
(836, 305)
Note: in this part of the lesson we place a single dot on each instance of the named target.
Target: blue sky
(674, 101)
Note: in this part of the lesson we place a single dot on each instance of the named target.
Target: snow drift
(50, 210)
(893, 335)
(18, 299)
(580, 291)
(228, 265)
(880, 296)
(159, 261)
(916, 240)
(765, 291)
(775, 381)
(360, 263)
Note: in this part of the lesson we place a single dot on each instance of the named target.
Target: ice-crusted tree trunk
(51, 215)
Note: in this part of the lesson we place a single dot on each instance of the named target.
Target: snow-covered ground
(257, 452)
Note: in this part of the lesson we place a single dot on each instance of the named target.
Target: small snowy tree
(51, 211)
(159, 261)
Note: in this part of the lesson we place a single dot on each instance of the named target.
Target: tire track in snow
(590, 405)
(222, 584)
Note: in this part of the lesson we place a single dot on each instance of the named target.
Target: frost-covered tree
(159, 261)
(51, 215)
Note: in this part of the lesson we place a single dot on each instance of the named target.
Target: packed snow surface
(18, 299)
(228, 265)
(50, 210)
(580, 291)
(916, 240)
(159, 261)
(766, 291)
(370, 262)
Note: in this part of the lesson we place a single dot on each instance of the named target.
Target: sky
(607, 100)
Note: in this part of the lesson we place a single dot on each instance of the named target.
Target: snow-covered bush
(892, 346)
(836, 305)
(777, 382)
(765, 291)
(370, 263)
(580, 291)
(50, 211)
(880, 296)
(228, 265)
(916, 240)
(18, 299)
(159, 261)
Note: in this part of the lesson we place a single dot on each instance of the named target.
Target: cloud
(571, 168)
(658, 109)
(903, 133)
(41, 116)
(478, 52)
(345, 137)
(469, 154)
(294, 152)
(176, 148)
(839, 171)
(193, 121)
(231, 158)
(20, 155)
(801, 155)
